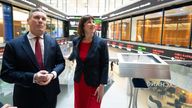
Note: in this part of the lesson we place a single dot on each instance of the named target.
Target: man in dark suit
(33, 62)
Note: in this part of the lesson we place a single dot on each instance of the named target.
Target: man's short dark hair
(36, 10)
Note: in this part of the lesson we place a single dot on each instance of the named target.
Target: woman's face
(89, 26)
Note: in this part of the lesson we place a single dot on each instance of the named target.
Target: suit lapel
(46, 49)
(28, 50)
(92, 48)
(77, 47)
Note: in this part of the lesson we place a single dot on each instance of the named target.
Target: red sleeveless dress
(84, 94)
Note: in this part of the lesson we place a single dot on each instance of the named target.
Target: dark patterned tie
(38, 53)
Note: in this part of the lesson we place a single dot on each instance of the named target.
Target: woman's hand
(99, 92)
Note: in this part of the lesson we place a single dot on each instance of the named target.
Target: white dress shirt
(32, 39)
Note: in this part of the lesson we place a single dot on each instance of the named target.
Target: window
(153, 25)
(60, 29)
(20, 25)
(137, 29)
(126, 29)
(54, 28)
(1, 25)
(177, 26)
(110, 30)
(117, 31)
(49, 26)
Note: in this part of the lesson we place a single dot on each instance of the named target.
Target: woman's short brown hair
(82, 21)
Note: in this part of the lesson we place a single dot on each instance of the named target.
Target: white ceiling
(92, 7)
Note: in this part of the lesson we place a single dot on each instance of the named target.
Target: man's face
(37, 23)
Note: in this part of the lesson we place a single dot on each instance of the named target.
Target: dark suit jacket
(19, 66)
(95, 66)
(1, 104)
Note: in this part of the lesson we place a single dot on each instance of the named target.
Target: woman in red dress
(91, 73)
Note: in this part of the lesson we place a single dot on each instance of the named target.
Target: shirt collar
(32, 36)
